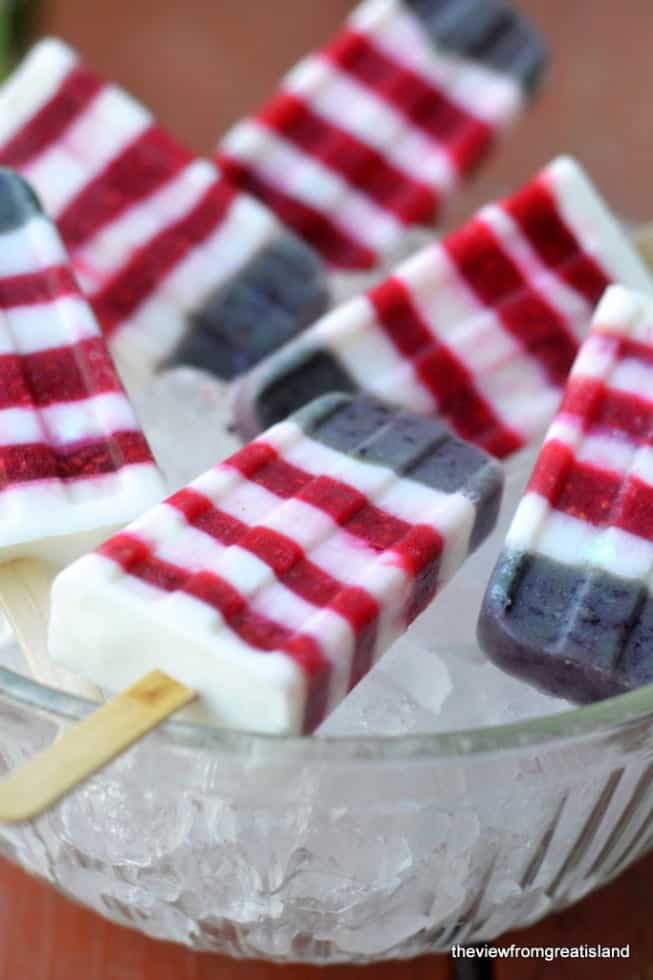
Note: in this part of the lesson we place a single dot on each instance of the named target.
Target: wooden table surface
(206, 62)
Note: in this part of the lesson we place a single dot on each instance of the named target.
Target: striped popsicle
(569, 606)
(74, 464)
(271, 584)
(480, 329)
(369, 135)
(178, 266)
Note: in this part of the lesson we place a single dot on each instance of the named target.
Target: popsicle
(178, 266)
(272, 583)
(74, 464)
(480, 328)
(369, 135)
(569, 605)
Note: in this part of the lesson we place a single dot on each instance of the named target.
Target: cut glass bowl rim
(613, 718)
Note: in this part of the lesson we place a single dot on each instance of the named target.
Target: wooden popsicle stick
(25, 598)
(89, 745)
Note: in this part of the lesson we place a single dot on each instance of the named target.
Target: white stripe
(606, 452)
(540, 529)
(311, 182)
(622, 554)
(567, 429)
(633, 377)
(20, 426)
(596, 229)
(253, 504)
(33, 84)
(29, 329)
(440, 293)
(566, 539)
(68, 422)
(521, 395)
(306, 525)
(353, 333)
(348, 104)
(643, 465)
(479, 90)
(320, 460)
(32, 247)
(112, 121)
(109, 251)
(530, 515)
(574, 542)
(447, 306)
(597, 357)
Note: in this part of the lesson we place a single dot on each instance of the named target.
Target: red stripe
(578, 489)
(535, 210)
(464, 137)
(416, 546)
(635, 513)
(140, 276)
(143, 167)
(259, 632)
(61, 374)
(292, 568)
(335, 245)
(363, 167)
(599, 406)
(37, 461)
(628, 348)
(592, 494)
(447, 378)
(500, 285)
(47, 126)
(42, 286)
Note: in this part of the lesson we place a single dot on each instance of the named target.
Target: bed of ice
(259, 855)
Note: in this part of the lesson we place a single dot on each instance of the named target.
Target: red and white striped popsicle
(177, 264)
(569, 605)
(480, 328)
(74, 464)
(369, 135)
(272, 583)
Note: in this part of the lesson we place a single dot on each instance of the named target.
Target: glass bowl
(344, 849)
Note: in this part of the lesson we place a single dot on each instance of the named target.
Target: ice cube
(186, 415)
